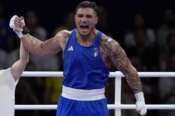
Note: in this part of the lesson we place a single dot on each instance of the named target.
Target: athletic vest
(83, 66)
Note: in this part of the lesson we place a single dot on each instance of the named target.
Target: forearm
(38, 47)
(135, 84)
(133, 79)
(18, 67)
(32, 44)
(23, 54)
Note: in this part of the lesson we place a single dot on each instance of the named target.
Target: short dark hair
(88, 4)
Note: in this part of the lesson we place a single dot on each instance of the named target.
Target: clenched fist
(17, 24)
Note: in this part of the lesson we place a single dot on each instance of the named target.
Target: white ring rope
(112, 74)
(110, 106)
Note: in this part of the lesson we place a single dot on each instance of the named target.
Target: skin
(111, 51)
(18, 67)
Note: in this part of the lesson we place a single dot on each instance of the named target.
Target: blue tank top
(83, 66)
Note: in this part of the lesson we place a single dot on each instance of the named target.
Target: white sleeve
(7, 93)
(7, 78)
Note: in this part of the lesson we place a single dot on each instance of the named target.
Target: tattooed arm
(122, 63)
(50, 46)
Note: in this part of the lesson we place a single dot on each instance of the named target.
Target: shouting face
(85, 20)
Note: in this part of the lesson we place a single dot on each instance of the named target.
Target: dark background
(52, 13)
(120, 19)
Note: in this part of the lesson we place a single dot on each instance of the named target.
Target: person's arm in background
(122, 63)
(18, 67)
(34, 45)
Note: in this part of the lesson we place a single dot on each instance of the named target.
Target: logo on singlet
(70, 48)
(95, 52)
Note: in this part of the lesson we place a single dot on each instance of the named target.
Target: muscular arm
(50, 46)
(121, 62)
(19, 66)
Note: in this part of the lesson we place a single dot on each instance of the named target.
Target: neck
(86, 40)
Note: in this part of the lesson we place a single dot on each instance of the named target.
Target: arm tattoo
(31, 43)
(122, 63)
(50, 46)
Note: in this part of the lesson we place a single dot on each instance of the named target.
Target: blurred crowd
(148, 48)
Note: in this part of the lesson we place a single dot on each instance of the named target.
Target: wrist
(24, 31)
(139, 96)
(19, 34)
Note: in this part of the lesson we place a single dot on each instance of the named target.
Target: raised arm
(18, 67)
(50, 46)
(34, 45)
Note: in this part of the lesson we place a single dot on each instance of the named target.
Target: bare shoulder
(63, 34)
(109, 42)
(62, 37)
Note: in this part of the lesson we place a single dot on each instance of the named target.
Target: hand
(140, 104)
(17, 24)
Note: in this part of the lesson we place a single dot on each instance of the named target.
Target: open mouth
(84, 26)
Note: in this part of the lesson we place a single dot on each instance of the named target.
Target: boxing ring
(117, 106)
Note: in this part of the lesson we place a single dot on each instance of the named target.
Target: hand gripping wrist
(140, 103)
